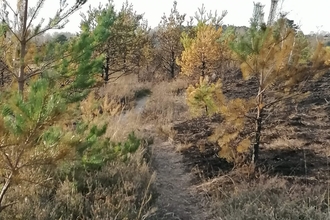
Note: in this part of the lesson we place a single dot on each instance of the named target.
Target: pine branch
(281, 99)
(14, 12)
(7, 68)
(2, 207)
(117, 77)
(12, 31)
(56, 24)
(38, 7)
(43, 68)
(4, 189)
(7, 145)
(10, 164)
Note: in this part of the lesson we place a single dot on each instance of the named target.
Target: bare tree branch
(4, 189)
(55, 23)
(12, 31)
(15, 13)
(38, 7)
(2, 207)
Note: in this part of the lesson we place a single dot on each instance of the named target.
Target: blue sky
(311, 15)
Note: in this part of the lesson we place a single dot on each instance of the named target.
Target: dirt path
(175, 201)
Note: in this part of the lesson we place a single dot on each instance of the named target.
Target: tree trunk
(21, 75)
(173, 65)
(4, 189)
(203, 68)
(272, 12)
(291, 52)
(258, 122)
(256, 146)
(2, 79)
(106, 70)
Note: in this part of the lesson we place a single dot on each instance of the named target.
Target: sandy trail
(175, 199)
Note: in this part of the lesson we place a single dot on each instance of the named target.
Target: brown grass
(234, 198)
(121, 120)
(285, 143)
(118, 191)
(121, 125)
(125, 86)
(167, 103)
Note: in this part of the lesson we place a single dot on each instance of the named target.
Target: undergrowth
(273, 199)
(106, 180)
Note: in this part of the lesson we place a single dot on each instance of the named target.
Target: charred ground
(295, 138)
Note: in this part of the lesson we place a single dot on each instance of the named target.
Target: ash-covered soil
(295, 138)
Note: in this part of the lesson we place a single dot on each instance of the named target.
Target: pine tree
(274, 56)
(203, 54)
(231, 136)
(206, 49)
(123, 47)
(201, 97)
(168, 40)
(21, 29)
(34, 129)
(81, 63)
(201, 16)
(30, 138)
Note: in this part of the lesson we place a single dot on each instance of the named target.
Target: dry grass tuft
(285, 143)
(94, 106)
(167, 103)
(235, 197)
(120, 126)
(180, 147)
(125, 86)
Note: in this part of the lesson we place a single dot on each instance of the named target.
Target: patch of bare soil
(173, 184)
